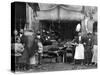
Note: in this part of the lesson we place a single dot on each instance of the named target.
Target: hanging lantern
(78, 27)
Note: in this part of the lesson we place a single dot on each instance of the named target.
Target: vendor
(88, 49)
(79, 50)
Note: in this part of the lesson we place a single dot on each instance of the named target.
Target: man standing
(30, 48)
(79, 50)
(95, 48)
(40, 50)
(88, 49)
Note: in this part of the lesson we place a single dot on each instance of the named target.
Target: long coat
(88, 47)
(30, 47)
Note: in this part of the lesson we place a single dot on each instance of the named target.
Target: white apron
(79, 52)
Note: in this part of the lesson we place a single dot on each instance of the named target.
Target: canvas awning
(70, 14)
(48, 14)
(59, 12)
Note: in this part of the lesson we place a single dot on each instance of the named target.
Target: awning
(70, 14)
(46, 6)
(48, 14)
(57, 12)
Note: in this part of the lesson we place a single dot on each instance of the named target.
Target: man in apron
(79, 50)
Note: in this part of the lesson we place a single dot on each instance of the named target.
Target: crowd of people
(86, 49)
(28, 47)
(25, 46)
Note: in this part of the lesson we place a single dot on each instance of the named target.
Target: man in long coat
(30, 47)
(88, 48)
